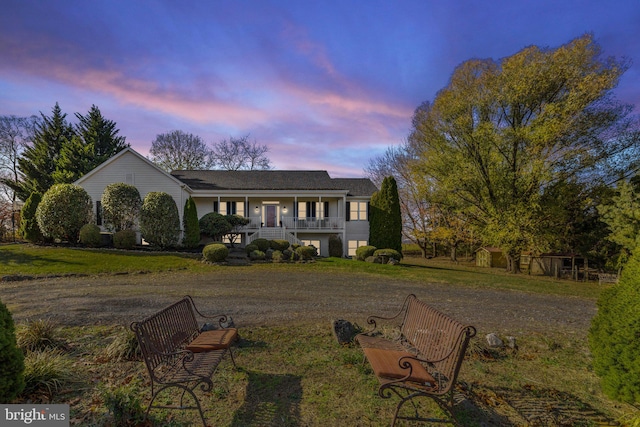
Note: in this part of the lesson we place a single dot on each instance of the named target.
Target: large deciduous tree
(240, 154)
(502, 133)
(177, 150)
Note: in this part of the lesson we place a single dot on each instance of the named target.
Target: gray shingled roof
(272, 180)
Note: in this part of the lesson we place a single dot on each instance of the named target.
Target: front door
(270, 213)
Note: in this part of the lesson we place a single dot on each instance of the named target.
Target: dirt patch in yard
(255, 297)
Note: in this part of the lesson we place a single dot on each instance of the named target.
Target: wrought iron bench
(177, 354)
(424, 360)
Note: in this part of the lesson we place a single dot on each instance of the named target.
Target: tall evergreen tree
(190, 224)
(97, 140)
(39, 161)
(385, 220)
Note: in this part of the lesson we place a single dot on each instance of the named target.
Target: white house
(299, 206)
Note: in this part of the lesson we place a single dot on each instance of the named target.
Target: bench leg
(184, 390)
(232, 359)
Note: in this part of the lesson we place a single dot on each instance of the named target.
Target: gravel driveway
(259, 297)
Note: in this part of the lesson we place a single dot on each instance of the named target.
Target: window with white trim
(353, 246)
(358, 211)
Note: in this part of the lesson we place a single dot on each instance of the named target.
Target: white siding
(129, 168)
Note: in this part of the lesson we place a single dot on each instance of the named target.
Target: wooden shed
(490, 257)
(558, 265)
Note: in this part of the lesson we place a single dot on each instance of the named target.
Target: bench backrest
(166, 331)
(437, 338)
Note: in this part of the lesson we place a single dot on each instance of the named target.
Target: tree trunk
(454, 253)
(513, 263)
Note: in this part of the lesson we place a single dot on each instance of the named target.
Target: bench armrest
(371, 320)
(220, 318)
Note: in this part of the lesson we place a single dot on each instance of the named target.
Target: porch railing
(326, 223)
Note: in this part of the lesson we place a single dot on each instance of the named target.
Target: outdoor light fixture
(257, 209)
(284, 209)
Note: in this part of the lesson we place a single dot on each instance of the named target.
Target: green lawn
(29, 260)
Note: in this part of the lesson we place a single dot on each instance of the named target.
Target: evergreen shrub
(124, 239)
(121, 205)
(214, 225)
(215, 252)
(250, 248)
(257, 255)
(276, 256)
(159, 220)
(190, 224)
(307, 252)
(613, 336)
(363, 252)
(64, 209)
(335, 246)
(11, 359)
(391, 253)
(90, 235)
(262, 244)
(279, 245)
(29, 229)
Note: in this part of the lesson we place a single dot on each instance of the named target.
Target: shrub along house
(304, 207)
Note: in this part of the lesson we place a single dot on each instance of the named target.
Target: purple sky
(324, 84)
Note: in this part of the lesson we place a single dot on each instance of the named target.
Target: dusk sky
(326, 85)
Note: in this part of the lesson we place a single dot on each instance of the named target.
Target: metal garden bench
(424, 360)
(177, 354)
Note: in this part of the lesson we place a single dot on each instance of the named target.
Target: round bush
(279, 245)
(90, 235)
(124, 239)
(121, 205)
(215, 252)
(613, 336)
(391, 253)
(64, 209)
(364, 251)
(11, 359)
(250, 248)
(276, 256)
(159, 219)
(307, 252)
(262, 244)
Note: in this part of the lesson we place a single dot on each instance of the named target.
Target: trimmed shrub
(257, 255)
(613, 336)
(190, 224)
(365, 251)
(11, 358)
(279, 245)
(64, 209)
(29, 229)
(276, 256)
(215, 252)
(214, 225)
(47, 372)
(307, 252)
(262, 244)
(124, 239)
(250, 248)
(286, 254)
(121, 205)
(159, 220)
(335, 246)
(391, 253)
(90, 235)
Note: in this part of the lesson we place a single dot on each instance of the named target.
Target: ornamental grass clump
(38, 335)
(47, 372)
(124, 346)
(613, 337)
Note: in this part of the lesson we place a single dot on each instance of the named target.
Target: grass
(296, 374)
(29, 260)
